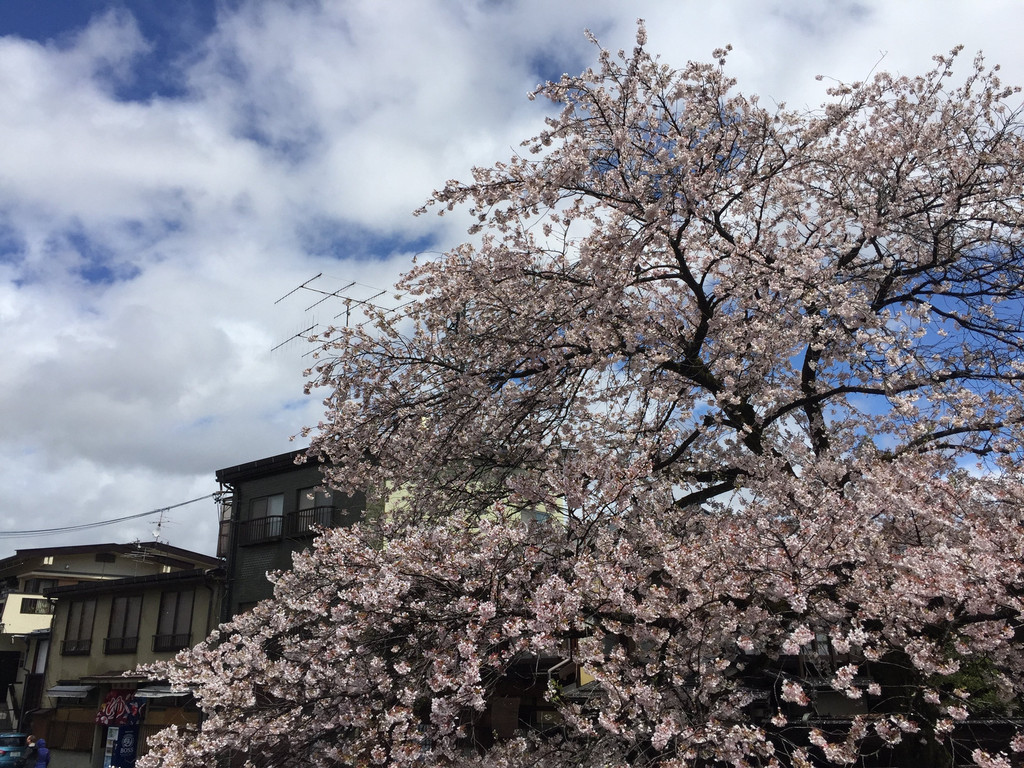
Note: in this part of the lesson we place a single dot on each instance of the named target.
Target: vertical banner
(126, 747)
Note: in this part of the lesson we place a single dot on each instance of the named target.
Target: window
(78, 633)
(48, 560)
(123, 634)
(311, 498)
(174, 627)
(36, 605)
(267, 506)
(314, 507)
(264, 519)
(38, 586)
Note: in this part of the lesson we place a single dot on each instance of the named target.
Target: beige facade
(102, 646)
(26, 613)
(102, 631)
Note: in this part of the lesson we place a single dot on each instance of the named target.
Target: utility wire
(100, 523)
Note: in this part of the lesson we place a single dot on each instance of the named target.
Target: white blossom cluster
(761, 369)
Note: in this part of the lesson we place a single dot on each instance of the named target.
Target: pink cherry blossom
(760, 369)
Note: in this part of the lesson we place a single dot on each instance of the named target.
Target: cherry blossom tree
(754, 378)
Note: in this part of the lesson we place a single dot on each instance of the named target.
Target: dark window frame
(264, 519)
(123, 627)
(36, 606)
(36, 585)
(78, 629)
(174, 623)
(314, 507)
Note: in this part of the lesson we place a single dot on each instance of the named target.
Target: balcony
(302, 521)
(259, 530)
(165, 643)
(120, 645)
(76, 647)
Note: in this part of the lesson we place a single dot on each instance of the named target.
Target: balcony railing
(120, 644)
(302, 521)
(298, 523)
(76, 647)
(163, 643)
(259, 530)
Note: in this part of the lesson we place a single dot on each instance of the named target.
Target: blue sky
(170, 170)
(173, 33)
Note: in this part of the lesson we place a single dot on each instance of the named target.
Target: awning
(160, 692)
(69, 691)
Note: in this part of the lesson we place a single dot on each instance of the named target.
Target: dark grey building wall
(248, 563)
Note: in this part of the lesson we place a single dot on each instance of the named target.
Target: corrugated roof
(68, 691)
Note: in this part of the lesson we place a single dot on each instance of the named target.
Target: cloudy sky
(171, 171)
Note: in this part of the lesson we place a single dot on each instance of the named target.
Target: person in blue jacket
(42, 754)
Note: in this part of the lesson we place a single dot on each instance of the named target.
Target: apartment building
(271, 508)
(99, 711)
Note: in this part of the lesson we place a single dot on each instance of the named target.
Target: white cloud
(143, 243)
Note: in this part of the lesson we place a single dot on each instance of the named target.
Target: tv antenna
(351, 294)
(159, 527)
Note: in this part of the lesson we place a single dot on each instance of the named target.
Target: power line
(101, 523)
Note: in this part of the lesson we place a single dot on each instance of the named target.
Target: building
(97, 712)
(270, 508)
(25, 612)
